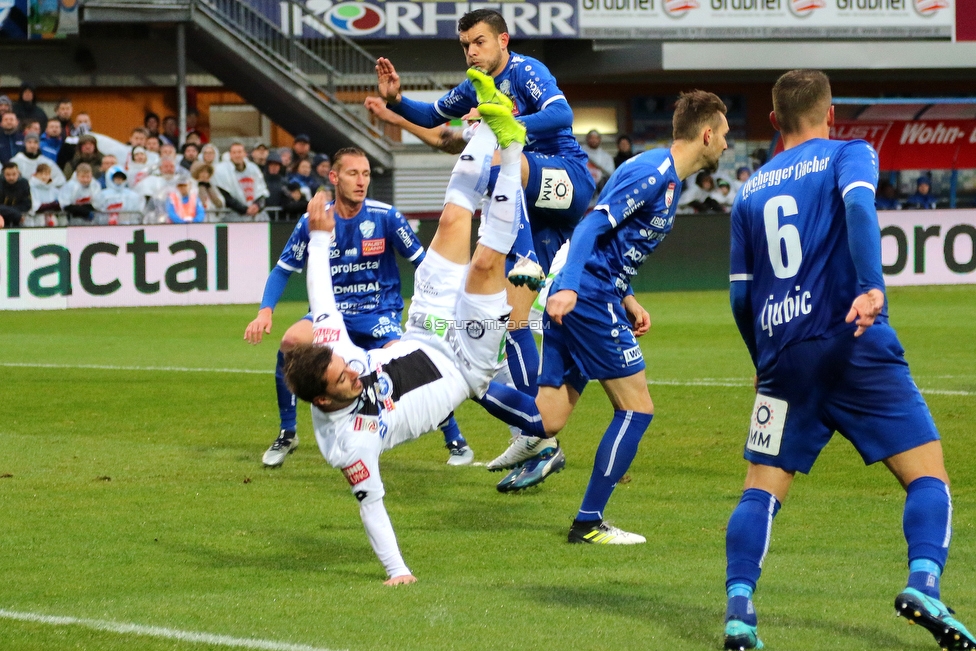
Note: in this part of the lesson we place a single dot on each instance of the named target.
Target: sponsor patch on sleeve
(375, 246)
(766, 427)
(322, 336)
(356, 473)
(366, 424)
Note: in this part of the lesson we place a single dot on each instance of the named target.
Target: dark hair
(150, 114)
(10, 164)
(345, 151)
(800, 96)
(54, 119)
(42, 167)
(62, 102)
(305, 367)
(624, 136)
(489, 17)
(693, 111)
(190, 144)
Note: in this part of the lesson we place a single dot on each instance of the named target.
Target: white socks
(469, 180)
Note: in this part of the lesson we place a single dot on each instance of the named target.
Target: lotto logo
(356, 473)
(322, 336)
(375, 246)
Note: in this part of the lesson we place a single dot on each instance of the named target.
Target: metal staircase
(257, 48)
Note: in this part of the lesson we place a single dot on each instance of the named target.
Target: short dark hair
(800, 96)
(53, 119)
(693, 111)
(62, 102)
(346, 151)
(10, 164)
(489, 17)
(305, 367)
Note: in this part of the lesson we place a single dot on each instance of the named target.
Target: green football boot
(484, 86)
(500, 120)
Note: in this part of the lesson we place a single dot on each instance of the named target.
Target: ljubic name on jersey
(792, 306)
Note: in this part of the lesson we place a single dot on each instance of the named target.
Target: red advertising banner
(914, 144)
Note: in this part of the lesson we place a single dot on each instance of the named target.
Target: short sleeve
(293, 255)
(740, 255)
(856, 167)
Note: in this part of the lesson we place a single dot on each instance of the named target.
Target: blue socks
(513, 407)
(613, 457)
(927, 523)
(746, 544)
(452, 433)
(287, 410)
(523, 360)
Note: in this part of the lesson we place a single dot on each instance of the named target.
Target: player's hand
(320, 217)
(387, 80)
(406, 579)
(472, 116)
(865, 310)
(560, 304)
(259, 327)
(640, 320)
(377, 108)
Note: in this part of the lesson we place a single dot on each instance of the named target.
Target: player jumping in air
(367, 284)
(807, 294)
(593, 318)
(365, 402)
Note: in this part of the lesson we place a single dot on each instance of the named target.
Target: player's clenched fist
(320, 217)
(560, 304)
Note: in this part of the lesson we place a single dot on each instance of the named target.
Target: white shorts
(467, 328)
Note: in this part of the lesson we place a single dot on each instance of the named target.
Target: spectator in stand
(210, 155)
(63, 112)
(139, 167)
(32, 126)
(741, 176)
(286, 157)
(163, 176)
(698, 198)
(53, 139)
(193, 128)
(151, 124)
(241, 183)
(166, 150)
(625, 150)
(190, 154)
(15, 196)
(85, 152)
(183, 205)
(78, 195)
(724, 195)
(923, 199)
(117, 203)
(321, 166)
(210, 196)
(44, 197)
(31, 157)
(274, 180)
(11, 140)
(887, 197)
(108, 162)
(295, 204)
(259, 155)
(300, 150)
(6, 106)
(600, 162)
(193, 138)
(83, 124)
(303, 177)
(171, 131)
(26, 108)
(153, 144)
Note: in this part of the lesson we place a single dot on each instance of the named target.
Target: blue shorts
(594, 342)
(559, 190)
(860, 387)
(371, 330)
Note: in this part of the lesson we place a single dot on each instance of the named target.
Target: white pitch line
(158, 631)
(700, 382)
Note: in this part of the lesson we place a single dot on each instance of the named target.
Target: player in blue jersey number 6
(593, 319)
(807, 295)
(366, 283)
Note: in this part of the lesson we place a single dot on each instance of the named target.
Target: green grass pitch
(137, 496)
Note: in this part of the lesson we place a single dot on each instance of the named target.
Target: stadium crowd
(59, 171)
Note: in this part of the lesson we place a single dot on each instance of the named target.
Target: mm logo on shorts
(356, 473)
(766, 428)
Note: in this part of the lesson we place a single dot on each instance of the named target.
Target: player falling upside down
(553, 168)
(592, 317)
(366, 276)
(365, 402)
(807, 295)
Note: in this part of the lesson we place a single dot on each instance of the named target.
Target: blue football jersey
(639, 202)
(365, 276)
(789, 237)
(531, 87)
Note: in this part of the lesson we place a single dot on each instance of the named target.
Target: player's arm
(328, 327)
(404, 240)
(640, 320)
(443, 137)
(581, 246)
(548, 111)
(383, 540)
(274, 287)
(857, 176)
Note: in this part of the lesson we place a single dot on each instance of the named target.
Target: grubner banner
(409, 19)
(128, 266)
